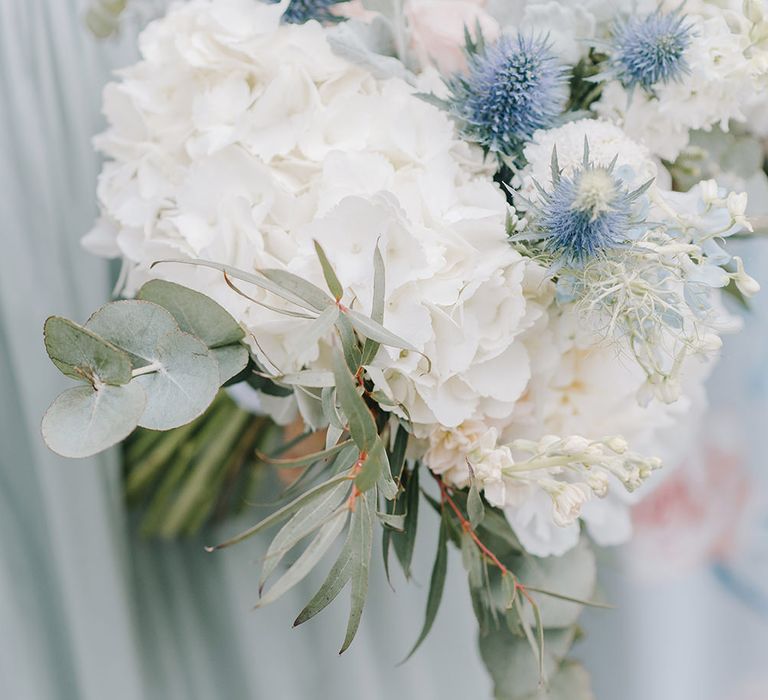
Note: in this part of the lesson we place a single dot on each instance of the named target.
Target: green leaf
(196, 313)
(374, 465)
(306, 459)
(308, 559)
(306, 291)
(135, 326)
(391, 521)
(368, 328)
(573, 574)
(260, 280)
(82, 354)
(313, 378)
(362, 427)
(316, 330)
(284, 512)
(349, 345)
(436, 585)
(475, 507)
(387, 486)
(83, 421)
(185, 384)
(404, 544)
(328, 272)
(362, 542)
(302, 524)
(231, 359)
(371, 347)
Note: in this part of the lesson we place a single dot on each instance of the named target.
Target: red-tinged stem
(356, 467)
(467, 527)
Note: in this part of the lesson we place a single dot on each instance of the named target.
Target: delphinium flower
(650, 51)
(513, 87)
(300, 11)
(585, 214)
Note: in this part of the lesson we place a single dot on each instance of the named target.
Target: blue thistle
(584, 215)
(647, 51)
(300, 11)
(513, 88)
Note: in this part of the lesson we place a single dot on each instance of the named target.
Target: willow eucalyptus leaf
(83, 421)
(82, 354)
(405, 543)
(184, 385)
(309, 558)
(362, 427)
(475, 507)
(196, 313)
(329, 273)
(371, 347)
(315, 330)
(311, 517)
(310, 293)
(369, 328)
(311, 378)
(349, 346)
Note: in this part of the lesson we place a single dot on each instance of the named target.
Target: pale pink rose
(693, 518)
(437, 30)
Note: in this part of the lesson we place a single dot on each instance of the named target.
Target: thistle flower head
(648, 51)
(513, 88)
(300, 11)
(585, 214)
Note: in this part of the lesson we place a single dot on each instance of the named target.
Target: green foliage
(169, 358)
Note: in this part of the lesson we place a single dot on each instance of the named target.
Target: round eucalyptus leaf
(195, 313)
(184, 384)
(574, 574)
(83, 421)
(231, 359)
(81, 354)
(135, 326)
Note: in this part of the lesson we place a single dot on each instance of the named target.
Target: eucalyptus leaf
(375, 331)
(362, 543)
(231, 359)
(196, 313)
(475, 507)
(392, 521)
(349, 346)
(306, 521)
(312, 378)
(436, 586)
(185, 384)
(371, 347)
(328, 272)
(405, 543)
(82, 354)
(373, 468)
(362, 427)
(306, 291)
(315, 330)
(83, 421)
(308, 559)
(135, 326)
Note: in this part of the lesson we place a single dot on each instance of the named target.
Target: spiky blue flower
(300, 11)
(586, 214)
(648, 51)
(513, 87)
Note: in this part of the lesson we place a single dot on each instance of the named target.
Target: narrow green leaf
(306, 459)
(368, 328)
(294, 284)
(231, 359)
(404, 544)
(371, 347)
(571, 599)
(349, 344)
(362, 526)
(316, 330)
(373, 467)
(312, 378)
(397, 461)
(283, 513)
(308, 559)
(260, 280)
(393, 522)
(436, 585)
(303, 523)
(328, 272)
(362, 427)
(328, 398)
(84, 355)
(475, 507)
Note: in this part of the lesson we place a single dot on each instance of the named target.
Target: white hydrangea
(240, 140)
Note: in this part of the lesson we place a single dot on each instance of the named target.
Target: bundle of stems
(185, 479)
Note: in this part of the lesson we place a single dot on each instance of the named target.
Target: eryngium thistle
(648, 51)
(513, 88)
(585, 214)
(300, 11)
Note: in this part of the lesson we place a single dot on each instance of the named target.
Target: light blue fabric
(87, 612)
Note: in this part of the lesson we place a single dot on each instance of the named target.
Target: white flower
(567, 500)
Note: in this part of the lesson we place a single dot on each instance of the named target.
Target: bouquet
(475, 254)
